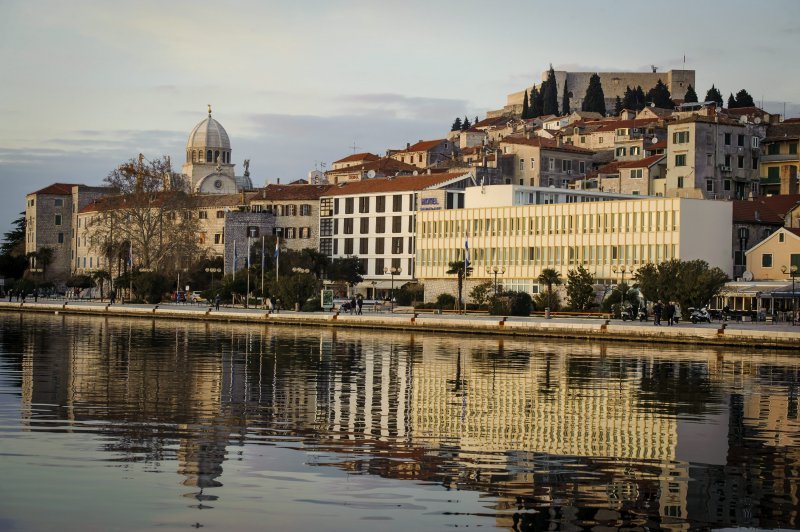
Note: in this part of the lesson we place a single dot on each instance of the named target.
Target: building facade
(540, 162)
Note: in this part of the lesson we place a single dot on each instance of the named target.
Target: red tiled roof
(660, 145)
(291, 192)
(793, 230)
(384, 165)
(544, 143)
(423, 145)
(636, 122)
(56, 189)
(768, 210)
(358, 157)
(494, 121)
(641, 163)
(395, 184)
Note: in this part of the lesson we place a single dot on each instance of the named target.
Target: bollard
(547, 313)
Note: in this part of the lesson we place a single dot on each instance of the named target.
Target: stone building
(426, 153)
(638, 177)
(295, 209)
(242, 230)
(780, 159)
(541, 162)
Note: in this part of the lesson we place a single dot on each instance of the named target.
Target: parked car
(197, 297)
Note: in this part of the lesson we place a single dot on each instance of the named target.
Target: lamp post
(393, 271)
(621, 269)
(299, 271)
(495, 270)
(212, 271)
(792, 270)
(374, 289)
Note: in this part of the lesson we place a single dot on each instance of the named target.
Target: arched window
(216, 156)
(194, 156)
(209, 159)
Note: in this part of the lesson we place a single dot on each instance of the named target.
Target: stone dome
(208, 134)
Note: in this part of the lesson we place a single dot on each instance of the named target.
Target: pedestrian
(353, 305)
(35, 295)
(18, 293)
(277, 305)
(658, 308)
(216, 301)
(360, 303)
(24, 295)
(112, 297)
(670, 312)
(10, 294)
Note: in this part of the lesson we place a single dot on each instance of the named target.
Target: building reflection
(584, 434)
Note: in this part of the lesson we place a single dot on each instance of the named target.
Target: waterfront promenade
(746, 334)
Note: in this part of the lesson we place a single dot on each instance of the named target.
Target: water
(117, 425)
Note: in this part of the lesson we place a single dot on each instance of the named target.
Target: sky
(87, 85)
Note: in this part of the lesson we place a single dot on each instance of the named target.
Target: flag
(130, 255)
(277, 247)
(234, 259)
(466, 253)
(248, 252)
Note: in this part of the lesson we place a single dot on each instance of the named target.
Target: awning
(753, 290)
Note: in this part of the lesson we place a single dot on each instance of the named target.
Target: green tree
(732, 102)
(743, 99)
(691, 95)
(480, 293)
(618, 106)
(526, 109)
(622, 292)
(151, 286)
(456, 125)
(580, 288)
(100, 277)
(690, 283)
(294, 290)
(565, 105)
(465, 125)
(549, 298)
(445, 302)
(536, 103)
(595, 100)
(12, 250)
(346, 270)
(660, 96)
(714, 95)
(550, 93)
(458, 268)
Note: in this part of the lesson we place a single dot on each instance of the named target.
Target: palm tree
(457, 268)
(100, 277)
(550, 277)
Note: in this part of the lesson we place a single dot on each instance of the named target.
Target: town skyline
(82, 101)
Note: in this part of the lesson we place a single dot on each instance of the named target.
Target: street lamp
(299, 271)
(496, 270)
(621, 269)
(792, 270)
(212, 271)
(374, 289)
(393, 271)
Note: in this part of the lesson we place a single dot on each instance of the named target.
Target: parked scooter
(642, 314)
(698, 315)
(626, 313)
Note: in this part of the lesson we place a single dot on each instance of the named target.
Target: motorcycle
(626, 314)
(642, 314)
(697, 315)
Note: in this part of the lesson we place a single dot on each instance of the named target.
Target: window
(726, 185)
(380, 204)
(773, 148)
(582, 167)
(397, 245)
(793, 148)
(61, 238)
(636, 150)
(203, 215)
(755, 163)
(326, 227)
(620, 152)
(378, 266)
(636, 173)
(781, 237)
(364, 226)
(363, 246)
(566, 166)
(291, 210)
(740, 140)
(740, 161)
(335, 246)
(305, 232)
(600, 140)
(58, 202)
(727, 139)
(754, 141)
(305, 210)
(379, 246)
(727, 160)
(709, 185)
(397, 224)
(348, 205)
(220, 214)
(326, 207)
(766, 260)
(551, 164)
(397, 203)
(348, 226)
(533, 163)
(773, 172)
(348, 246)
(363, 205)
(521, 165)
(58, 219)
(680, 160)
(680, 181)
(680, 137)
(583, 140)
(380, 224)
(326, 246)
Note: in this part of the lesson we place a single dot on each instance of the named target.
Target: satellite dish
(757, 120)
(415, 172)
(654, 140)
(653, 104)
(747, 276)
(371, 174)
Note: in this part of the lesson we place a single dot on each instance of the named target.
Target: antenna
(354, 147)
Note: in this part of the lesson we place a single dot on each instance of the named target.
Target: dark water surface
(117, 425)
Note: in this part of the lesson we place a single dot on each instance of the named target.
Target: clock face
(218, 183)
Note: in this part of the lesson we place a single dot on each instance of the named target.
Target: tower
(208, 159)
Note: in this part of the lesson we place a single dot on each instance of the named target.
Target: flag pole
(277, 255)
(247, 293)
(262, 268)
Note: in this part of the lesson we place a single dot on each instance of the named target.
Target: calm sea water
(118, 425)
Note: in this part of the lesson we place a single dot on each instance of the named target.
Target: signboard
(326, 296)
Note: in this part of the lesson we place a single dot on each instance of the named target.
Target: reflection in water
(552, 434)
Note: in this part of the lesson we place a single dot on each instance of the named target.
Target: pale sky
(87, 85)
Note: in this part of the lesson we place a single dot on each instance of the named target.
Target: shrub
(445, 301)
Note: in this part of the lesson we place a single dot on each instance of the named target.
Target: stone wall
(236, 230)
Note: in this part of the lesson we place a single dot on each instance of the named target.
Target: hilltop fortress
(614, 84)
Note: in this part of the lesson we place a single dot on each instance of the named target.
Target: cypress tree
(595, 100)
(732, 102)
(618, 106)
(456, 125)
(536, 103)
(526, 110)
(743, 99)
(639, 98)
(660, 96)
(629, 100)
(465, 125)
(691, 96)
(550, 94)
(713, 95)
(476, 120)
(565, 100)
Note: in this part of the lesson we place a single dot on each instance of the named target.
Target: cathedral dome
(208, 134)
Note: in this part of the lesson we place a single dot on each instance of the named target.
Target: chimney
(408, 145)
(279, 181)
(559, 141)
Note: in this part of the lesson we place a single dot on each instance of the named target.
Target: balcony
(781, 157)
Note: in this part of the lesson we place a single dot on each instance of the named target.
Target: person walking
(216, 302)
(112, 297)
(360, 303)
(10, 294)
(658, 308)
(353, 305)
(670, 312)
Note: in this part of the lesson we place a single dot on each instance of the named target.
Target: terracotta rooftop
(383, 165)
(793, 230)
(544, 143)
(366, 156)
(784, 131)
(290, 192)
(395, 184)
(56, 189)
(768, 210)
(423, 145)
